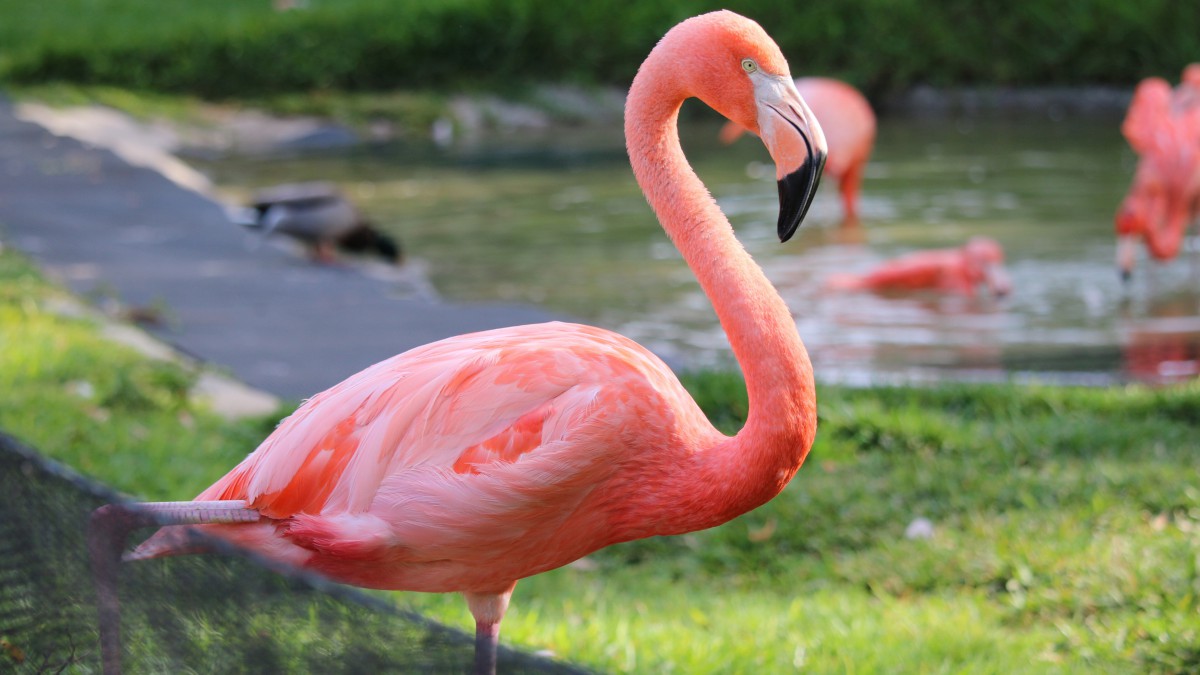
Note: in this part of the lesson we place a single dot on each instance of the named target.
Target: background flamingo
(849, 125)
(1163, 128)
(1187, 94)
(470, 463)
(1161, 202)
(956, 270)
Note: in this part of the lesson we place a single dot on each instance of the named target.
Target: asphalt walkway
(275, 320)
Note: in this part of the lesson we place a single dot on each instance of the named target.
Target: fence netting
(193, 614)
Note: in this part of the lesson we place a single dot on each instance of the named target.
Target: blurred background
(486, 137)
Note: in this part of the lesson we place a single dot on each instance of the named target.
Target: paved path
(275, 320)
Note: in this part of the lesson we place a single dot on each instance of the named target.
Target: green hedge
(234, 48)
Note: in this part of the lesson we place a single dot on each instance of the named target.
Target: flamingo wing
(459, 405)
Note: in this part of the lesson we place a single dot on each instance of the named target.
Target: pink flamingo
(1187, 94)
(849, 125)
(1163, 128)
(470, 463)
(1160, 204)
(954, 270)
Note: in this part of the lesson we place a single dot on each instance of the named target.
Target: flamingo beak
(1126, 255)
(796, 143)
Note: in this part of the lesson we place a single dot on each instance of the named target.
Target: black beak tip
(1126, 276)
(796, 192)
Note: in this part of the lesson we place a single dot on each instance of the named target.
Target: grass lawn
(1065, 523)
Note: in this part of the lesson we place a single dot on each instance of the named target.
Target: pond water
(557, 220)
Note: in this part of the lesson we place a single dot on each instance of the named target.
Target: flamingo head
(730, 63)
(1159, 203)
(1191, 75)
(985, 259)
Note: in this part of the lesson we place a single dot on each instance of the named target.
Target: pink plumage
(470, 463)
(961, 270)
(466, 464)
(1163, 128)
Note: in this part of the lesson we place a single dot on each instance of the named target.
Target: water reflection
(1162, 344)
(557, 220)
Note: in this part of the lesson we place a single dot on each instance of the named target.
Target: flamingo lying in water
(849, 125)
(955, 270)
(473, 462)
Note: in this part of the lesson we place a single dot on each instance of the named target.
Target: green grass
(407, 113)
(102, 408)
(1066, 521)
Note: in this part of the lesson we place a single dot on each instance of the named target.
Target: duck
(318, 215)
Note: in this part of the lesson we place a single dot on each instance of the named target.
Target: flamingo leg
(487, 638)
(488, 610)
(108, 531)
(850, 184)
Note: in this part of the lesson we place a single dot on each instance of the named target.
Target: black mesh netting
(198, 614)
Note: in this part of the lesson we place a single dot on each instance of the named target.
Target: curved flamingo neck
(782, 417)
(1166, 229)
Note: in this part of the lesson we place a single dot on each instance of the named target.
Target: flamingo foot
(108, 532)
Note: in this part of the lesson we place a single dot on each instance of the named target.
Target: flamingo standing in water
(849, 125)
(1163, 128)
(954, 270)
(470, 463)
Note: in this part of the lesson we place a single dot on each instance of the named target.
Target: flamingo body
(470, 463)
(957, 270)
(849, 125)
(475, 461)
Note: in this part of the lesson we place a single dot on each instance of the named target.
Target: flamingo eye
(749, 65)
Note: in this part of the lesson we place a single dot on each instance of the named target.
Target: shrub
(227, 49)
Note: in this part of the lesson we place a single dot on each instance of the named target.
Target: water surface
(556, 220)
